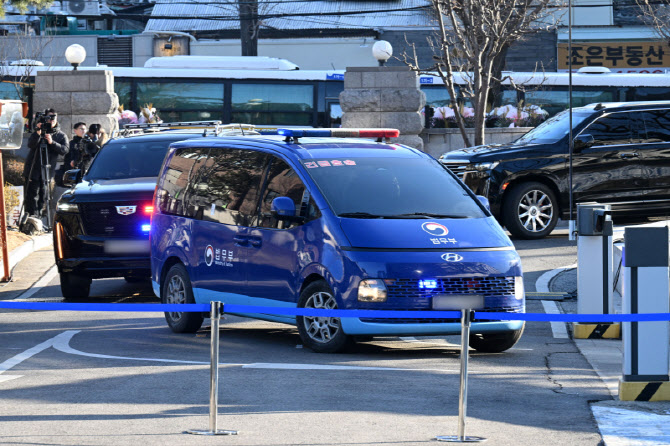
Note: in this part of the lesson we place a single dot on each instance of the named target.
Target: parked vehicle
(101, 226)
(621, 157)
(329, 223)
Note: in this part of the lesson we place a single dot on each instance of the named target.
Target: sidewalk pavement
(621, 423)
(25, 274)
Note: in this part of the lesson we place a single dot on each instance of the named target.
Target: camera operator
(46, 143)
(83, 148)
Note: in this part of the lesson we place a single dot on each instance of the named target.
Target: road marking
(44, 281)
(557, 328)
(4, 378)
(18, 359)
(620, 426)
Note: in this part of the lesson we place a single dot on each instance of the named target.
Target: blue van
(308, 219)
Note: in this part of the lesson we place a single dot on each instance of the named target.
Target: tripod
(45, 178)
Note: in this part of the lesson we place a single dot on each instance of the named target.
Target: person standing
(41, 167)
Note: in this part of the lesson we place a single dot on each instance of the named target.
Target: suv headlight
(372, 290)
(483, 167)
(67, 207)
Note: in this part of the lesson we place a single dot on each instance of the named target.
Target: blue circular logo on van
(209, 255)
(435, 229)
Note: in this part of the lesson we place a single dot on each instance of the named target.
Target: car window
(227, 186)
(654, 126)
(283, 181)
(612, 129)
(392, 187)
(176, 182)
(553, 129)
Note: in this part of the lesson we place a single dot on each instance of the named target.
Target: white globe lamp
(75, 55)
(382, 51)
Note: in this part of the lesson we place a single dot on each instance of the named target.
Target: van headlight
(372, 290)
(519, 292)
(483, 167)
(67, 207)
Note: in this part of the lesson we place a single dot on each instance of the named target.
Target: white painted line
(624, 427)
(557, 328)
(44, 281)
(542, 283)
(5, 378)
(18, 359)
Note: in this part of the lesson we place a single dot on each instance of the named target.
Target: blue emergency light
(339, 133)
(428, 284)
(146, 228)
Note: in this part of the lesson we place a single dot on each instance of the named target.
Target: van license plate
(458, 301)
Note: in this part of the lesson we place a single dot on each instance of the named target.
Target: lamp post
(75, 55)
(571, 223)
(382, 51)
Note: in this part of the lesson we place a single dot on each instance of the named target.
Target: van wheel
(75, 286)
(495, 342)
(176, 289)
(321, 334)
(530, 211)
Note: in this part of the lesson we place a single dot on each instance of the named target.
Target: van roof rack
(214, 126)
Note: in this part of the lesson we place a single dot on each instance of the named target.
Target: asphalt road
(124, 378)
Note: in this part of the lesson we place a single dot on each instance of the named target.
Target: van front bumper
(354, 326)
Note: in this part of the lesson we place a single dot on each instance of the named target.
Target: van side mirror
(485, 201)
(583, 141)
(72, 177)
(283, 208)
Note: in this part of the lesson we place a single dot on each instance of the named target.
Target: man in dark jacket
(54, 143)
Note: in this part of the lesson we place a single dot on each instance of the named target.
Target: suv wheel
(321, 334)
(495, 342)
(74, 286)
(530, 211)
(176, 289)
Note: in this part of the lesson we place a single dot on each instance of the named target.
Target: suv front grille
(103, 219)
(405, 294)
(458, 168)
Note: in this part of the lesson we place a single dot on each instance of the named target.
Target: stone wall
(78, 96)
(438, 141)
(384, 97)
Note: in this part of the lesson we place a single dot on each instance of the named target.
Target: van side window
(610, 130)
(226, 190)
(176, 182)
(283, 181)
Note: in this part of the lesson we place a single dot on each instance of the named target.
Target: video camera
(46, 121)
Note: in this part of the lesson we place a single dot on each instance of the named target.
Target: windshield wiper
(360, 215)
(430, 215)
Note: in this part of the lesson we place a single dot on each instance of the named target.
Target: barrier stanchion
(466, 318)
(216, 309)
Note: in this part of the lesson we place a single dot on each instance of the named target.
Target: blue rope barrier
(313, 312)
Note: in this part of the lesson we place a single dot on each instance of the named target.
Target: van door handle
(256, 242)
(628, 155)
(241, 241)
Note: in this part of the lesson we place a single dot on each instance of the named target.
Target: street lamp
(382, 50)
(75, 55)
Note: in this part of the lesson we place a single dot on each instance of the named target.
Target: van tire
(322, 335)
(532, 197)
(75, 286)
(176, 289)
(495, 342)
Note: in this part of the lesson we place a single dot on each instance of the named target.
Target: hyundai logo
(452, 257)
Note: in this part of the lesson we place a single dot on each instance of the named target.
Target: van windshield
(373, 187)
(125, 159)
(553, 129)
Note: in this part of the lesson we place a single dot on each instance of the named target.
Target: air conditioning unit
(82, 7)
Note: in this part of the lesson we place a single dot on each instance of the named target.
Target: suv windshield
(128, 159)
(553, 129)
(391, 188)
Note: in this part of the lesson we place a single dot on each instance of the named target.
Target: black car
(621, 157)
(101, 226)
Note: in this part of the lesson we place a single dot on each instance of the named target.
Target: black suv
(101, 226)
(621, 156)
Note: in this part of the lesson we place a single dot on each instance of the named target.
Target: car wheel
(321, 334)
(176, 289)
(75, 286)
(530, 211)
(495, 342)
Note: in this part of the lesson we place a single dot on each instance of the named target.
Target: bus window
(182, 101)
(122, 90)
(436, 96)
(556, 100)
(273, 104)
(648, 94)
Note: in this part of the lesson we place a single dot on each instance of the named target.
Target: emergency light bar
(339, 133)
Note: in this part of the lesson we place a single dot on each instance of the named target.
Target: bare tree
(472, 37)
(24, 48)
(656, 13)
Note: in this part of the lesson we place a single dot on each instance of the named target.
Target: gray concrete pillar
(384, 97)
(78, 96)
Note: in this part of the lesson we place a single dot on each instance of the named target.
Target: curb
(543, 282)
(23, 251)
